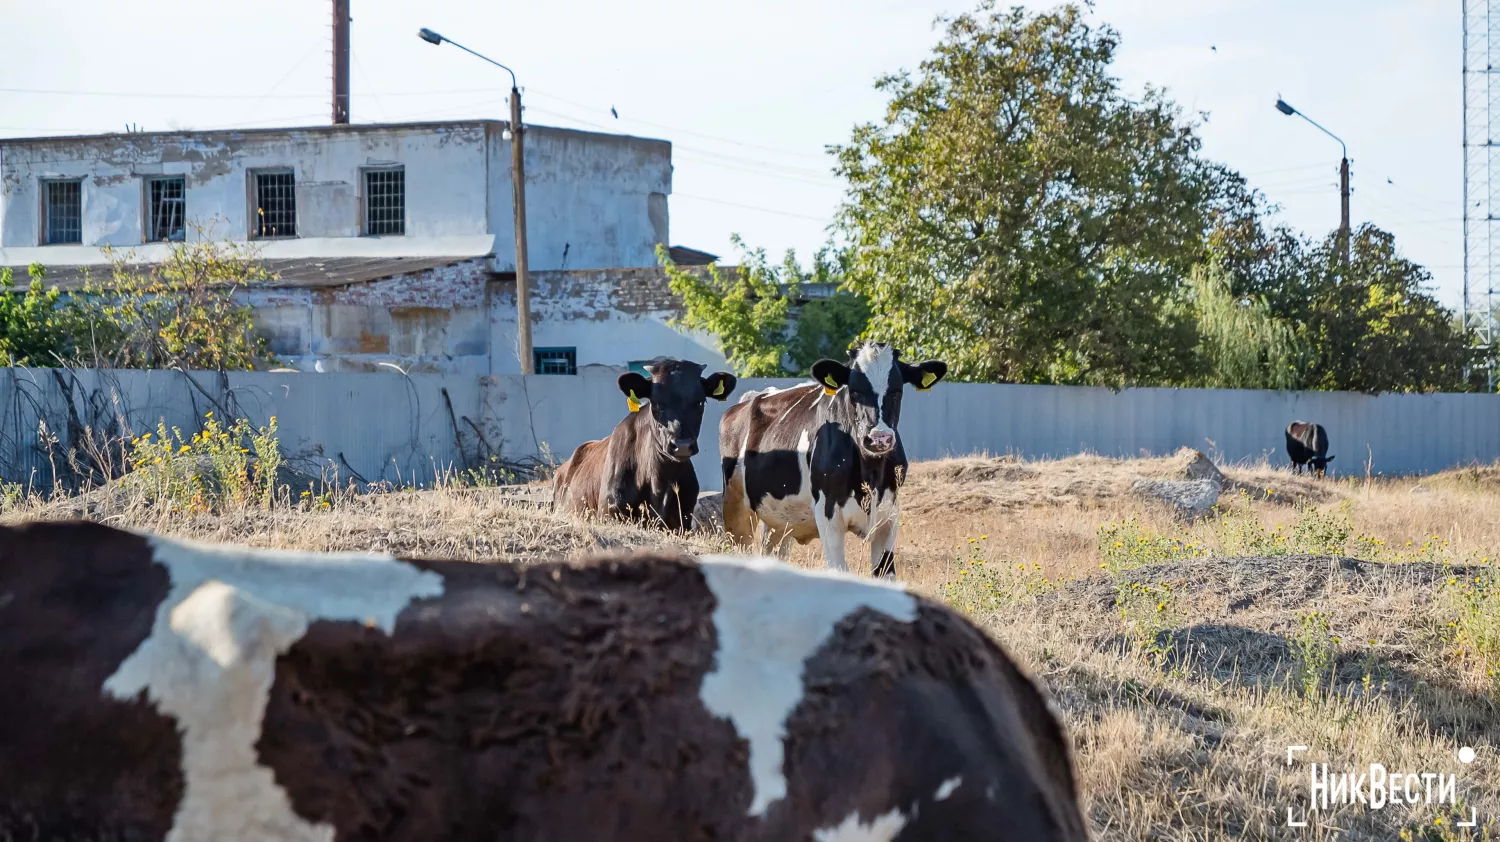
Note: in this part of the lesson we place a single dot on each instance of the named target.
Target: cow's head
(675, 394)
(872, 385)
(1319, 465)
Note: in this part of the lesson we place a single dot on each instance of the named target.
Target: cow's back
(629, 699)
(576, 486)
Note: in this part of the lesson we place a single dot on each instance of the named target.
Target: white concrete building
(594, 201)
(392, 243)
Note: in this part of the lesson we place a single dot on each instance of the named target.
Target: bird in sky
(1214, 48)
(614, 112)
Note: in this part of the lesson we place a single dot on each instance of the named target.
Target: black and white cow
(823, 459)
(643, 470)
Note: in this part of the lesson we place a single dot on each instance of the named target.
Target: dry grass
(1180, 716)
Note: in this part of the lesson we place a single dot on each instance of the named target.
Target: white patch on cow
(876, 362)
(210, 663)
(882, 828)
(793, 514)
(769, 619)
(948, 787)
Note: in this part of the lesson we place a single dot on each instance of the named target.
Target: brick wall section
(436, 320)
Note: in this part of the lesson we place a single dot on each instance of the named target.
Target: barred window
(275, 205)
(166, 206)
(64, 212)
(385, 201)
(555, 360)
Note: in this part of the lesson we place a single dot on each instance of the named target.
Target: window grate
(385, 202)
(167, 206)
(555, 360)
(275, 204)
(64, 212)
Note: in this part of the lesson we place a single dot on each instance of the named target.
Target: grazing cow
(1307, 444)
(643, 470)
(159, 689)
(823, 459)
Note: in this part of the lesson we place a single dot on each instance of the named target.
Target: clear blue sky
(750, 93)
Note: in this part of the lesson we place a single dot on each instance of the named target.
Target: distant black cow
(1307, 444)
(823, 459)
(643, 470)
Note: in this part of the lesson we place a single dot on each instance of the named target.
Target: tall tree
(1376, 327)
(758, 313)
(1017, 214)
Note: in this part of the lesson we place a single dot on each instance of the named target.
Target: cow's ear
(830, 375)
(1330, 459)
(718, 385)
(636, 389)
(924, 374)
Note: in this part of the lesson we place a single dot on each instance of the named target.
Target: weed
(1321, 533)
(208, 471)
(1128, 544)
(1314, 650)
(1147, 613)
(1474, 603)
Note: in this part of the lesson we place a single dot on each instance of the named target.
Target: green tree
(178, 313)
(1018, 215)
(32, 330)
(1243, 345)
(759, 315)
(1376, 327)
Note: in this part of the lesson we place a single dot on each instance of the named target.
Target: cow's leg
(831, 533)
(739, 519)
(883, 543)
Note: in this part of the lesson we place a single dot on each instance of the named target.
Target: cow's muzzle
(683, 449)
(880, 442)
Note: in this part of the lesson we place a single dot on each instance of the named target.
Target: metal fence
(415, 428)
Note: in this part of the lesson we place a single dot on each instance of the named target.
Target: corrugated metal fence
(412, 428)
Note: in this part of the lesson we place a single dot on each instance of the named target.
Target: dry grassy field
(1359, 618)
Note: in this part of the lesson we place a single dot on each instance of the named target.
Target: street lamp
(1284, 108)
(518, 184)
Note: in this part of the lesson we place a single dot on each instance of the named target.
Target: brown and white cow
(823, 459)
(158, 689)
(643, 470)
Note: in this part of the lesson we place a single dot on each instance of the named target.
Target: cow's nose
(685, 447)
(880, 440)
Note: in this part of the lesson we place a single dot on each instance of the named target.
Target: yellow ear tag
(633, 402)
(928, 378)
(829, 386)
(720, 389)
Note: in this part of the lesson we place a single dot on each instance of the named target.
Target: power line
(749, 207)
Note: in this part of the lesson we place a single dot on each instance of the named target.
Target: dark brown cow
(160, 689)
(643, 470)
(1307, 444)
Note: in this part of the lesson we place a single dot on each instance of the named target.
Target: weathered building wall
(462, 319)
(611, 316)
(593, 200)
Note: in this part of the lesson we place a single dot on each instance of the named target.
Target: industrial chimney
(340, 62)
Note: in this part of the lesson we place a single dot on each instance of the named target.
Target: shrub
(209, 471)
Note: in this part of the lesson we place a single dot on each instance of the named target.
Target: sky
(750, 94)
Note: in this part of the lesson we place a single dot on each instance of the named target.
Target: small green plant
(1147, 612)
(1446, 827)
(980, 587)
(1321, 533)
(208, 471)
(1239, 530)
(1314, 650)
(1128, 544)
(1474, 632)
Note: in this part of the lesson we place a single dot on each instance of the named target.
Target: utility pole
(340, 62)
(518, 193)
(518, 189)
(1286, 109)
(1344, 209)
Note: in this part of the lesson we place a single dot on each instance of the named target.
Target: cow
(158, 688)
(643, 470)
(824, 458)
(1307, 444)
